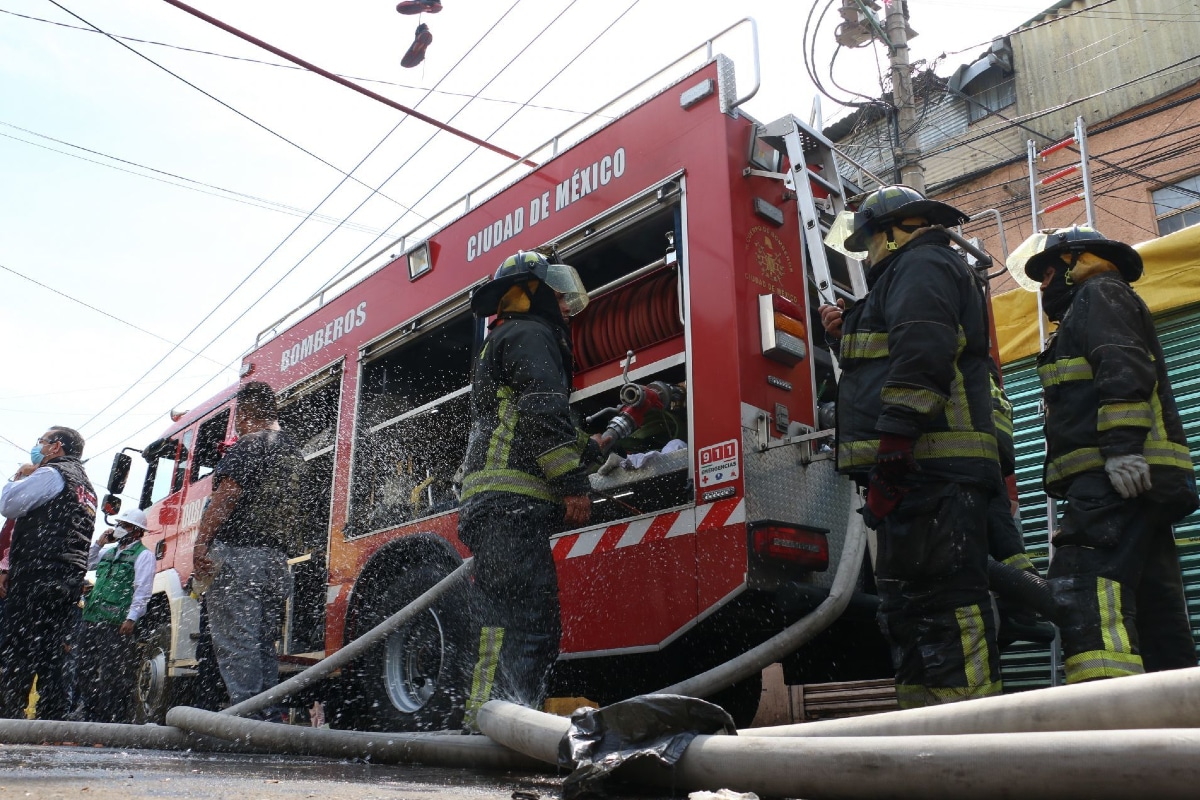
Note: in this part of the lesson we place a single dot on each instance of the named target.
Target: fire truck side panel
(716, 357)
(769, 259)
(614, 163)
(716, 551)
(648, 589)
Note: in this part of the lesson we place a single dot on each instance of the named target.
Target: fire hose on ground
(1097, 764)
(1106, 739)
(196, 729)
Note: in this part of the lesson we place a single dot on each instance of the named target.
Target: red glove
(894, 462)
(895, 456)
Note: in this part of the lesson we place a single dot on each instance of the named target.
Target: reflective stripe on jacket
(523, 438)
(914, 358)
(1107, 393)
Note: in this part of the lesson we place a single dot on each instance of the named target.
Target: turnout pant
(1117, 585)
(935, 609)
(514, 600)
(245, 614)
(105, 670)
(40, 611)
(1005, 542)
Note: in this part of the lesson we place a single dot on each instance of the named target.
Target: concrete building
(1129, 68)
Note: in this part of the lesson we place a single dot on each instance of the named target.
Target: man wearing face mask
(915, 427)
(124, 579)
(1116, 453)
(54, 507)
(525, 475)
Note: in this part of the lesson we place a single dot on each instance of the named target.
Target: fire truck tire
(154, 688)
(414, 680)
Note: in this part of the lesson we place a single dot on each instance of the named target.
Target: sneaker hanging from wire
(416, 51)
(419, 6)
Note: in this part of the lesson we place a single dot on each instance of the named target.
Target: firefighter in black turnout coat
(1118, 456)
(915, 426)
(525, 475)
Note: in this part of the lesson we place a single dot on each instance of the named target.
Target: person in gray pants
(242, 544)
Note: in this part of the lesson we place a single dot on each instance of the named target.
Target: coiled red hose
(631, 318)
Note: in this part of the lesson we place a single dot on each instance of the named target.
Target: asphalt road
(96, 773)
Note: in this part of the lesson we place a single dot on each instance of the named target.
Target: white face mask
(120, 533)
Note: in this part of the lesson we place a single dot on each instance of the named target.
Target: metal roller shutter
(1027, 666)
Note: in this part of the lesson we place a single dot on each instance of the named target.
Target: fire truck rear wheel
(414, 681)
(154, 687)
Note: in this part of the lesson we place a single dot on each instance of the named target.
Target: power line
(1027, 28)
(449, 172)
(14, 444)
(230, 294)
(324, 73)
(1017, 121)
(277, 65)
(200, 186)
(100, 311)
(286, 238)
(216, 99)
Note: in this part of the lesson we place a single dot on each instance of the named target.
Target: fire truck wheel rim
(413, 662)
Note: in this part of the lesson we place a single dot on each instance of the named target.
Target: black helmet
(528, 265)
(893, 204)
(1082, 239)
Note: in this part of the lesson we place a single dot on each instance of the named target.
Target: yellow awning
(1171, 280)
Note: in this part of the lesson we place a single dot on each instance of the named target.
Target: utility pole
(908, 152)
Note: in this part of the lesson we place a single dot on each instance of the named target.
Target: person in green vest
(107, 645)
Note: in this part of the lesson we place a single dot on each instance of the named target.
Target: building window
(990, 93)
(986, 84)
(1177, 206)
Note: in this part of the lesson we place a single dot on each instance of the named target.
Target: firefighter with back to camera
(525, 475)
(915, 427)
(1117, 454)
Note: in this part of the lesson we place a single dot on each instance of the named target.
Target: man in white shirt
(54, 508)
(124, 579)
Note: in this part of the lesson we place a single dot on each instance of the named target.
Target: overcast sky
(181, 198)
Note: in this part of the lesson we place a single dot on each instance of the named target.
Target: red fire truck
(691, 225)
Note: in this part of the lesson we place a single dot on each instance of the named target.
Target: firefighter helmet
(526, 266)
(1083, 239)
(895, 204)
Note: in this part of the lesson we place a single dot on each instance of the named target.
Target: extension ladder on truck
(815, 177)
(1079, 141)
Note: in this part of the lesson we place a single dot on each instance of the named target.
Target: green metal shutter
(1027, 666)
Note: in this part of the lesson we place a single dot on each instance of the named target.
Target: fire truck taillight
(805, 547)
(783, 333)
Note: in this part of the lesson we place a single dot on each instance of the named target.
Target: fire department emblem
(765, 250)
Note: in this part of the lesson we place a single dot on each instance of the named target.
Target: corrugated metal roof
(1061, 4)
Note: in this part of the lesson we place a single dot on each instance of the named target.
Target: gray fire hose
(791, 638)
(355, 649)
(1095, 764)
(444, 749)
(1168, 699)
(155, 737)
